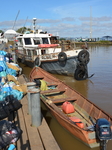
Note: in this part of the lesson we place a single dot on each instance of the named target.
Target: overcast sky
(67, 18)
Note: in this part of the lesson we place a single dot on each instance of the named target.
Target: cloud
(103, 18)
(71, 19)
(67, 26)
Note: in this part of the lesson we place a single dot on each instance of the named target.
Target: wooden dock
(33, 138)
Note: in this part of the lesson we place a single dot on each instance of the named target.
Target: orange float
(77, 121)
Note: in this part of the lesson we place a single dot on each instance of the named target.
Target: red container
(67, 107)
(77, 121)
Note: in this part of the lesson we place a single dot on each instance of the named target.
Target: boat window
(24, 51)
(36, 42)
(29, 52)
(27, 41)
(45, 41)
(43, 51)
(34, 52)
(54, 40)
(20, 42)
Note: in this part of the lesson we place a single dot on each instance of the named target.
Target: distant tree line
(1, 31)
(23, 29)
(20, 30)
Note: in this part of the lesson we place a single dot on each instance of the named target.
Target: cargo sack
(13, 103)
(4, 110)
(17, 94)
(1, 68)
(10, 104)
(67, 107)
(9, 133)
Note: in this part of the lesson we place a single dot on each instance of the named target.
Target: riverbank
(94, 43)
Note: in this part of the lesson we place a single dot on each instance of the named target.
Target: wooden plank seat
(60, 100)
(50, 92)
(38, 77)
(52, 84)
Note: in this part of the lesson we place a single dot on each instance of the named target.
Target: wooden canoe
(84, 109)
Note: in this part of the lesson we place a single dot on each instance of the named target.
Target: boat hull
(67, 68)
(54, 99)
(63, 68)
(68, 129)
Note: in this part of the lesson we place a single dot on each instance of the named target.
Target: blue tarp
(3, 53)
(6, 90)
(4, 71)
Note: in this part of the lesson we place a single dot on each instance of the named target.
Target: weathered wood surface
(33, 138)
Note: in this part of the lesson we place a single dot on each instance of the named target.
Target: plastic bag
(11, 71)
(13, 103)
(17, 94)
(9, 133)
(10, 104)
(1, 68)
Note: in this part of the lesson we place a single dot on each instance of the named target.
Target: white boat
(2, 38)
(43, 49)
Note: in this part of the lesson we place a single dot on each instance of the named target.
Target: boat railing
(49, 56)
(42, 53)
(26, 57)
(67, 45)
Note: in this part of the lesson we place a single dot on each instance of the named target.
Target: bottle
(11, 147)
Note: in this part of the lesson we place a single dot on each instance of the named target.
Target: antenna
(34, 20)
(24, 25)
(16, 19)
(90, 22)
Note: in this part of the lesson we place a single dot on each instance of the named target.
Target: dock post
(35, 107)
(30, 85)
(14, 57)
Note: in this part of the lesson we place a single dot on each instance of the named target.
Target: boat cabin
(34, 39)
(40, 44)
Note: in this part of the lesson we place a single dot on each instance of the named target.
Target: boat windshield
(37, 40)
(45, 41)
(27, 41)
(40, 41)
(54, 40)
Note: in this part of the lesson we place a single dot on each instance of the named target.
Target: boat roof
(31, 35)
(10, 32)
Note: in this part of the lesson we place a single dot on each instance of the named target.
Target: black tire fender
(83, 56)
(81, 73)
(62, 57)
(37, 62)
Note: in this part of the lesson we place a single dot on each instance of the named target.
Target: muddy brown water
(97, 89)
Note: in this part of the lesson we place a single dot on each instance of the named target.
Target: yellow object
(11, 78)
(21, 88)
(13, 67)
(43, 86)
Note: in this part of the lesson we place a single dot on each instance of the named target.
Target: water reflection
(97, 89)
(100, 64)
